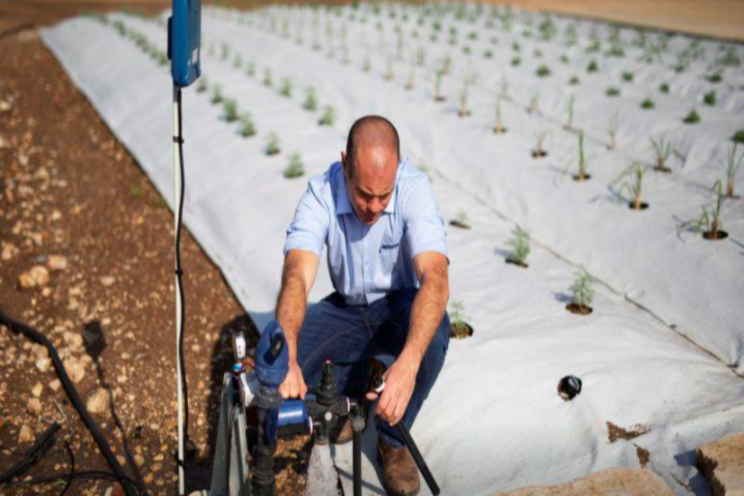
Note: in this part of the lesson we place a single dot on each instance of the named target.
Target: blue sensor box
(184, 41)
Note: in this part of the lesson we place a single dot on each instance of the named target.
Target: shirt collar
(343, 204)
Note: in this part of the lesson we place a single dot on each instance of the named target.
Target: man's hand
(400, 380)
(294, 384)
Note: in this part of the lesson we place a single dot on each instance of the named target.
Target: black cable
(72, 468)
(179, 270)
(127, 484)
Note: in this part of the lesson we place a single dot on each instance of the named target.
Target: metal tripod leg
(230, 471)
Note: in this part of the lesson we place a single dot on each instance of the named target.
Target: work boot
(400, 475)
(342, 432)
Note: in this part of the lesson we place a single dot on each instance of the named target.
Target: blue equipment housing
(184, 42)
(272, 357)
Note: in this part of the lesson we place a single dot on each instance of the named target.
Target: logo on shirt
(389, 247)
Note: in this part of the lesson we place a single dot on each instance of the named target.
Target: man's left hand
(400, 379)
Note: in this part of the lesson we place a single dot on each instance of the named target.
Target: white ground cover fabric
(666, 337)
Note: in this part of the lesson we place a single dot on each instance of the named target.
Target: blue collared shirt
(366, 262)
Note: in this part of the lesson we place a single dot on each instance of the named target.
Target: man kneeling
(387, 259)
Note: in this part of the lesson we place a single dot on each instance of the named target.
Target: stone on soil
(38, 276)
(57, 263)
(98, 401)
(722, 464)
(26, 435)
(74, 369)
(614, 482)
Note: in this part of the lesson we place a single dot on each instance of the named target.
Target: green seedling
(582, 294)
(516, 61)
(715, 78)
(711, 222)
(203, 85)
(732, 168)
(311, 100)
(647, 104)
(272, 144)
(488, 54)
(612, 131)
(230, 110)
(573, 81)
(582, 175)
(520, 245)
(217, 95)
(285, 88)
(411, 81)
(612, 92)
(295, 167)
(738, 136)
(247, 127)
(328, 117)
(464, 112)
(389, 71)
(592, 67)
(459, 329)
(238, 61)
(631, 181)
(534, 103)
(267, 79)
(461, 220)
(537, 53)
(570, 112)
(499, 126)
(225, 51)
(628, 77)
(250, 69)
(438, 86)
(539, 150)
(692, 118)
(664, 88)
(565, 59)
(710, 98)
(543, 71)
(662, 151)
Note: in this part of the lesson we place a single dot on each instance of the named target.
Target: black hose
(357, 471)
(416, 454)
(72, 469)
(130, 489)
(179, 270)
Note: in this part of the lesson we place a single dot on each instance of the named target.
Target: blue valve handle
(272, 356)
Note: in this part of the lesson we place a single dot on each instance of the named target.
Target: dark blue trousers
(347, 334)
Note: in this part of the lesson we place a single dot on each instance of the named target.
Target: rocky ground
(86, 242)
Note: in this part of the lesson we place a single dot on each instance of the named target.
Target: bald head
(371, 133)
(370, 166)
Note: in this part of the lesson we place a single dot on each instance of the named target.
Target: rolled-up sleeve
(309, 228)
(425, 230)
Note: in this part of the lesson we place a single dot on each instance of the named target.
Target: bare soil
(615, 432)
(80, 218)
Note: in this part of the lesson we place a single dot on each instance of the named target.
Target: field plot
(614, 150)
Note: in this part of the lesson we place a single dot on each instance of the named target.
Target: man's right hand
(294, 384)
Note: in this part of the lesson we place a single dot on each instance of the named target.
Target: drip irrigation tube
(130, 488)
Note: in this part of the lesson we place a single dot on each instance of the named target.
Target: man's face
(371, 186)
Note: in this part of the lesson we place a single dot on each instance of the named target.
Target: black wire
(128, 484)
(179, 270)
(72, 469)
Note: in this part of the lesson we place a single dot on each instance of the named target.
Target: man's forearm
(426, 315)
(290, 309)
